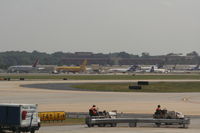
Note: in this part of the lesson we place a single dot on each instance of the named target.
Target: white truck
(19, 117)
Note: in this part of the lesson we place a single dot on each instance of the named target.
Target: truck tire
(90, 125)
(32, 131)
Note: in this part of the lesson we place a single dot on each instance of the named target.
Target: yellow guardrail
(52, 116)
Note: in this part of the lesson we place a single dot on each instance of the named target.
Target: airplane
(25, 68)
(73, 69)
(185, 68)
(158, 70)
(152, 69)
(145, 68)
(195, 68)
(123, 70)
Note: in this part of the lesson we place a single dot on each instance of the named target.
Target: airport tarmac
(149, 128)
(80, 101)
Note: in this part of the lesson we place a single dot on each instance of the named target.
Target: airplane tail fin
(174, 67)
(133, 68)
(152, 69)
(36, 62)
(83, 65)
(197, 66)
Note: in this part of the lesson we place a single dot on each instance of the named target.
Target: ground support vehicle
(165, 114)
(101, 115)
(92, 121)
(19, 118)
(101, 121)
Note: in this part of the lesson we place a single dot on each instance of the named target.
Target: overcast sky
(133, 26)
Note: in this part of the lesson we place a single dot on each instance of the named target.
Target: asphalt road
(145, 128)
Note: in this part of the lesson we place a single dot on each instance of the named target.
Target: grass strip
(152, 87)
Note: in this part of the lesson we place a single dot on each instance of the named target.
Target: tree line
(11, 58)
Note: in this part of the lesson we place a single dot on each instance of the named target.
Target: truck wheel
(32, 131)
(90, 125)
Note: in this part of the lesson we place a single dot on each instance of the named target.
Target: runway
(80, 101)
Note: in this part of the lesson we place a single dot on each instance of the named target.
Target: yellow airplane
(72, 69)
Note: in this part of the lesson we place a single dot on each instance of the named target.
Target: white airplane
(194, 68)
(158, 70)
(25, 68)
(152, 69)
(145, 68)
(123, 70)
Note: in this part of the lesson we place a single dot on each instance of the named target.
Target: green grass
(99, 77)
(68, 121)
(152, 87)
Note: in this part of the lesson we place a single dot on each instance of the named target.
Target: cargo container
(19, 117)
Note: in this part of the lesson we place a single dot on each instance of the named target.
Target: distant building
(83, 53)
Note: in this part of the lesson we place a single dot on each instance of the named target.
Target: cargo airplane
(73, 69)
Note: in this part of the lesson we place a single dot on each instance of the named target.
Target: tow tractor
(171, 115)
(163, 117)
(102, 115)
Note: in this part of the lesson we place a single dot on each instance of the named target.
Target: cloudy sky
(134, 26)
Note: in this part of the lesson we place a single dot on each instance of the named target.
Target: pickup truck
(19, 118)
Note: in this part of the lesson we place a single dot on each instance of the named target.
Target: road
(150, 128)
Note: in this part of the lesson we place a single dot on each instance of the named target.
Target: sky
(100, 26)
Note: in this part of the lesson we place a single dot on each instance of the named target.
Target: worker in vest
(158, 108)
(93, 111)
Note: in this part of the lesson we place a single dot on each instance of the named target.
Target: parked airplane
(145, 68)
(195, 68)
(73, 69)
(24, 68)
(185, 68)
(158, 70)
(152, 69)
(123, 70)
